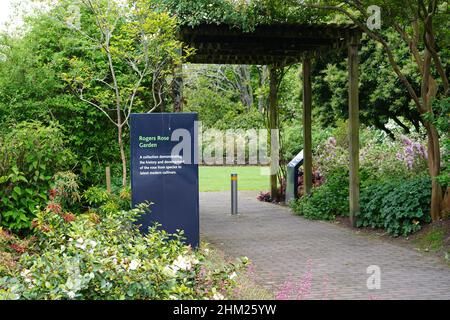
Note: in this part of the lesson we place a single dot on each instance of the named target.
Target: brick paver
(281, 245)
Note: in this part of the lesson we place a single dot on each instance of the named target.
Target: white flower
(80, 246)
(93, 243)
(182, 263)
(71, 294)
(134, 264)
(233, 275)
(25, 273)
(63, 247)
(218, 296)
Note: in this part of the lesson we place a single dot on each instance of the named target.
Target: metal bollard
(234, 197)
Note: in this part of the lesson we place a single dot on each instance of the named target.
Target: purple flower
(409, 150)
(406, 141)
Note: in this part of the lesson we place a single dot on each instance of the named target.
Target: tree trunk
(244, 84)
(428, 93)
(434, 162)
(122, 156)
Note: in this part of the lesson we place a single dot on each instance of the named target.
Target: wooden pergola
(279, 45)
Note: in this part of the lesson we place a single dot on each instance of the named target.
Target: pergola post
(273, 133)
(353, 104)
(307, 144)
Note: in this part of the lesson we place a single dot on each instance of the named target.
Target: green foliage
(43, 70)
(245, 15)
(291, 141)
(220, 110)
(32, 153)
(383, 100)
(108, 258)
(399, 206)
(96, 196)
(101, 201)
(239, 118)
(326, 201)
(32, 88)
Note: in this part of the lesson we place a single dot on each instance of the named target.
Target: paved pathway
(282, 245)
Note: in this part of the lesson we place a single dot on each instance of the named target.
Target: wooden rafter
(278, 44)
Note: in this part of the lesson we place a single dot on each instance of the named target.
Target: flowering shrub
(404, 157)
(106, 257)
(330, 156)
(414, 154)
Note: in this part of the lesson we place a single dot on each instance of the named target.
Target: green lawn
(218, 178)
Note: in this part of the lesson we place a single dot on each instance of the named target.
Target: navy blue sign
(164, 171)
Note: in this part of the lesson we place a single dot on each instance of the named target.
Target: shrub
(65, 190)
(326, 201)
(100, 200)
(30, 155)
(400, 206)
(108, 258)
